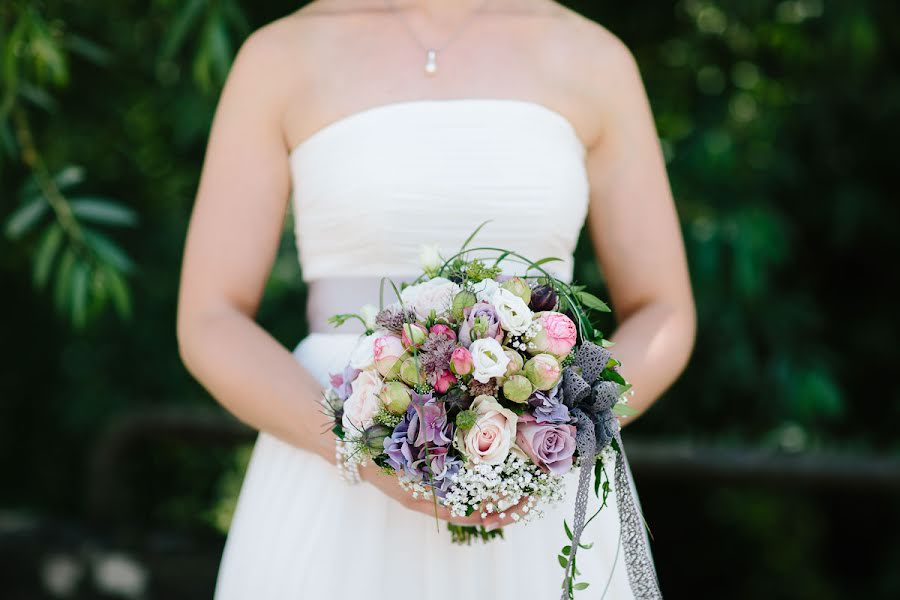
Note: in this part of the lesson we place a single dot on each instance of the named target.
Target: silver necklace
(432, 51)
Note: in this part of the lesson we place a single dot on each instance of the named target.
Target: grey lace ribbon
(590, 400)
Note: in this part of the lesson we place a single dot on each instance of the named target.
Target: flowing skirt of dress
(299, 531)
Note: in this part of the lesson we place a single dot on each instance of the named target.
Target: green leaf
(80, 275)
(581, 586)
(107, 250)
(102, 210)
(567, 550)
(568, 531)
(25, 217)
(119, 292)
(587, 546)
(46, 251)
(623, 410)
(63, 280)
(545, 260)
(87, 49)
(563, 560)
(179, 29)
(593, 302)
(472, 236)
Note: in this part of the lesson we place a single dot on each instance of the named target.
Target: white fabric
(369, 188)
(372, 186)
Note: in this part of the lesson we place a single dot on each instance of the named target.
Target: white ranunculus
(515, 316)
(484, 289)
(488, 359)
(363, 403)
(368, 312)
(363, 355)
(430, 258)
(493, 435)
(435, 294)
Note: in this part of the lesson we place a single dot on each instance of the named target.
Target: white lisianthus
(368, 312)
(363, 403)
(515, 316)
(363, 355)
(430, 259)
(485, 289)
(488, 359)
(492, 437)
(435, 294)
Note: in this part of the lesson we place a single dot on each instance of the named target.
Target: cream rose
(435, 294)
(484, 289)
(515, 316)
(489, 441)
(488, 359)
(363, 355)
(363, 402)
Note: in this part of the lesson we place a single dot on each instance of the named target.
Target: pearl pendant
(431, 62)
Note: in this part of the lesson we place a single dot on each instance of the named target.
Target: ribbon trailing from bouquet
(590, 400)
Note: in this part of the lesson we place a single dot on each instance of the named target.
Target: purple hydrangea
(424, 424)
(547, 406)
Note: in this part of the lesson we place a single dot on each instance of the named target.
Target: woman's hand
(389, 486)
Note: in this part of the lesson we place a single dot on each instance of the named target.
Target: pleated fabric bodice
(371, 187)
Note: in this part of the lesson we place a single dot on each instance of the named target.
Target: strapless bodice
(370, 188)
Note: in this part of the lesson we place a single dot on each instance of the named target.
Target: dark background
(769, 470)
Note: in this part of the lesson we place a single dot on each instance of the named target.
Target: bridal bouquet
(481, 391)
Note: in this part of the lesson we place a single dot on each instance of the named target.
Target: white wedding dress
(368, 190)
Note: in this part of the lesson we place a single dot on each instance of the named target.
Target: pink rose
(444, 381)
(363, 402)
(550, 445)
(557, 336)
(461, 361)
(493, 435)
(387, 351)
(444, 330)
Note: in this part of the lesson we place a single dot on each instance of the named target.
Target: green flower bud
(373, 437)
(543, 371)
(409, 373)
(516, 362)
(461, 301)
(519, 287)
(395, 396)
(517, 389)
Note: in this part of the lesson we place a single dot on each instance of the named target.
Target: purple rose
(547, 406)
(550, 445)
(481, 321)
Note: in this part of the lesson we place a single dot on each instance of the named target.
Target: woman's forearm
(653, 344)
(255, 378)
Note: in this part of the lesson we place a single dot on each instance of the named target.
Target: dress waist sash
(335, 295)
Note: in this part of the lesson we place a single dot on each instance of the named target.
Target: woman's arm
(636, 235)
(232, 239)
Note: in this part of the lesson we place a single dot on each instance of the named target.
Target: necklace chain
(430, 50)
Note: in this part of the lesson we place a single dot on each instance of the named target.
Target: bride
(389, 125)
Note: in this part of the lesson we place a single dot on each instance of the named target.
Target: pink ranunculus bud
(444, 381)
(443, 330)
(461, 361)
(557, 336)
(387, 350)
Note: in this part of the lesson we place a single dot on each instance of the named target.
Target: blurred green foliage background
(777, 118)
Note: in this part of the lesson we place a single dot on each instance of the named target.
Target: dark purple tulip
(543, 297)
